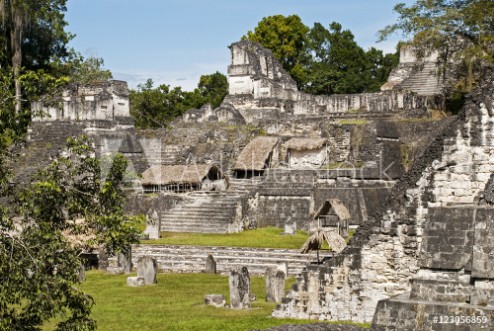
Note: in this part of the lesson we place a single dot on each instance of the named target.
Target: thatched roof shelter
(301, 144)
(318, 237)
(339, 208)
(255, 155)
(177, 174)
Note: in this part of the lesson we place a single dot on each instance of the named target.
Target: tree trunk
(17, 58)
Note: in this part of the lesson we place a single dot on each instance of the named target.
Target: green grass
(175, 303)
(269, 237)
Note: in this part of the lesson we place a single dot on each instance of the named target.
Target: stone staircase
(424, 81)
(192, 259)
(45, 141)
(204, 212)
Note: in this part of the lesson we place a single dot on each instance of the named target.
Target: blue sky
(177, 41)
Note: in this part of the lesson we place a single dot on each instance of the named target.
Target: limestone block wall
(454, 170)
(362, 198)
(468, 162)
(258, 83)
(46, 139)
(457, 176)
(192, 259)
(280, 210)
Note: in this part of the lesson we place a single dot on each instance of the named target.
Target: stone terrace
(192, 259)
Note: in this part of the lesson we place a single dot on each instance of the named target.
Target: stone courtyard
(416, 189)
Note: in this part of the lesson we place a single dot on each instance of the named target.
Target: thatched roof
(338, 207)
(176, 174)
(314, 242)
(255, 154)
(300, 144)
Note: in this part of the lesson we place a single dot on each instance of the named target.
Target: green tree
(87, 70)
(35, 27)
(213, 88)
(156, 107)
(286, 38)
(380, 67)
(338, 64)
(67, 210)
(459, 30)
(322, 61)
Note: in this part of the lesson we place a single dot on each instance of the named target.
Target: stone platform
(192, 259)
(402, 313)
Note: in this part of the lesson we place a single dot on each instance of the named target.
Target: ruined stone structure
(427, 246)
(420, 190)
(193, 259)
(260, 90)
(104, 101)
(99, 110)
(364, 142)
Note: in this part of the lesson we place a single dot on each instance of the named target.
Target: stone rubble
(215, 300)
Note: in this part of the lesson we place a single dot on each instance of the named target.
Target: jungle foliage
(323, 60)
(154, 107)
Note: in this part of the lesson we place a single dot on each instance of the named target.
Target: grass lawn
(175, 303)
(269, 237)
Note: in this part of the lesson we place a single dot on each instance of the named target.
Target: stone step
(211, 196)
(203, 203)
(186, 227)
(218, 250)
(200, 257)
(224, 269)
(186, 259)
(196, 229)
(202, 211)
(197, 215)
(193, 225)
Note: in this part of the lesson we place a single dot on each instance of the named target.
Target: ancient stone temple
(426, 254)
(99, 110)
(418, 188)
(105, 100)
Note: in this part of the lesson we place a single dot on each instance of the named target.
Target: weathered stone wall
(47, 139)
(284, 198)
(454, 169)
(108, 100)
(261, 90)
(308, 158)
(192, 259)
(144, 204)
(280, 210)
(362, 198)
(454, 280)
